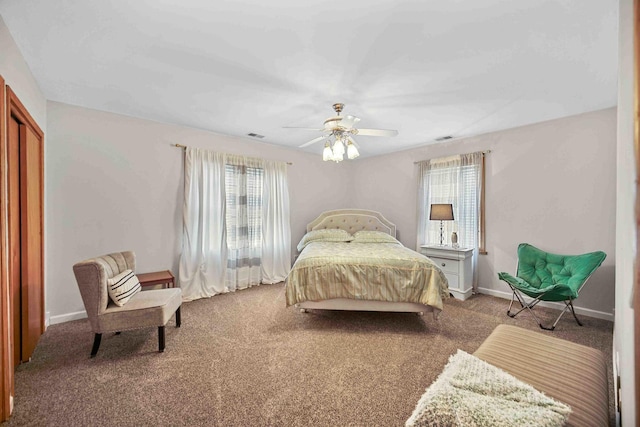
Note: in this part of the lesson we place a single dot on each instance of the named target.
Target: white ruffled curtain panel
(236, 230)
(456, 180)
(276, 229)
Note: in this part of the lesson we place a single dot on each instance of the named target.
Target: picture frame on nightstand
(456, 265)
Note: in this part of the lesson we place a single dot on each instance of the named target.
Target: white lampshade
(352, 151)
(338, 149)
(327, 154)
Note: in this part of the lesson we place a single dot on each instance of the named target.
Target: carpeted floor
(243, 359)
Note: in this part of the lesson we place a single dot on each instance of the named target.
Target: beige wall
(551, 184)
(115, 183)
(626, 245)
(18, 76)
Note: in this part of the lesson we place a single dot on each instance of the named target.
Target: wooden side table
(157, 278)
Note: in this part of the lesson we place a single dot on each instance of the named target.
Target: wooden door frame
(636, 137)
(6, 347)
(11, 105)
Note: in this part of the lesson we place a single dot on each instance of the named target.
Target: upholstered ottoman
(569, 372)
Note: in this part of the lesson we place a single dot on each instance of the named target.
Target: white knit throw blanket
(471, 392)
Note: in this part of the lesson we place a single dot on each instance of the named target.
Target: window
(243, 221)
(236, 230)
(457, 180)
(243, 224)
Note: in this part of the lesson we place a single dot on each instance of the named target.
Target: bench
(570, 373)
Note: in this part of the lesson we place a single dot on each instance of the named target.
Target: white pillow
(324, 235)
(122, 287)
(372, 236)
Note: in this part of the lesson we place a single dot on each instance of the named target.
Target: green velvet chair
(544, 276)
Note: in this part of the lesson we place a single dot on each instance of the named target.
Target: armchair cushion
(122, 287)
(531, 291)
(144, 309)
(543, 270)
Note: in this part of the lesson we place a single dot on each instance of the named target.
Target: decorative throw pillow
(324, 235)
(122, 287)
(471, 392)
(367, 236)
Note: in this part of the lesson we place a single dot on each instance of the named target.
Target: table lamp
(441, 212)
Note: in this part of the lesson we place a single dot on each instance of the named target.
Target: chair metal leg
(525, 306)
(547, 328)
(567, 305)
(522, 302)
(178, 319)
(557, 319)
(513, 295)
(574, 312)
(96, 344)
(160, 339)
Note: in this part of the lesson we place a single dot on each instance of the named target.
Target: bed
(374, 272)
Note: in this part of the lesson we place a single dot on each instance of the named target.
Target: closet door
(25, 224)
(31, 211)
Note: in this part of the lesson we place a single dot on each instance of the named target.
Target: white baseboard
(557, 305)
(61, 318)
(52, 320)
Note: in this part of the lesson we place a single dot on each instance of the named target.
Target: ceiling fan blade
(295, 127)
(377, 132)
(349, 121)
(313, 141)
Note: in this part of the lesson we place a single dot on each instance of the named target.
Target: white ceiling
(427, 68)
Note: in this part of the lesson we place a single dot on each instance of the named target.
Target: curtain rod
(184, 146)
(420, 161)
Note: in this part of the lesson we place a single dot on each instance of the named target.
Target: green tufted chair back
(542, 269)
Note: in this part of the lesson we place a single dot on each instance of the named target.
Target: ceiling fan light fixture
(352, 151)
(327, 154)
(340, 128)
(338, 149)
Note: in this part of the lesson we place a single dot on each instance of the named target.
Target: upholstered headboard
(353, 220)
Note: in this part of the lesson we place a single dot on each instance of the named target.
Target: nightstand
(456, 264)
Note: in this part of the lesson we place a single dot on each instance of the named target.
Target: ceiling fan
(341, 128)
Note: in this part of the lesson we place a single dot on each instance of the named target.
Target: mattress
(365, 271)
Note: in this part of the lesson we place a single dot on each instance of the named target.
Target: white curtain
(244, 190)
(276, 229)
(456, 180)
(203, 262)
(236, 223)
